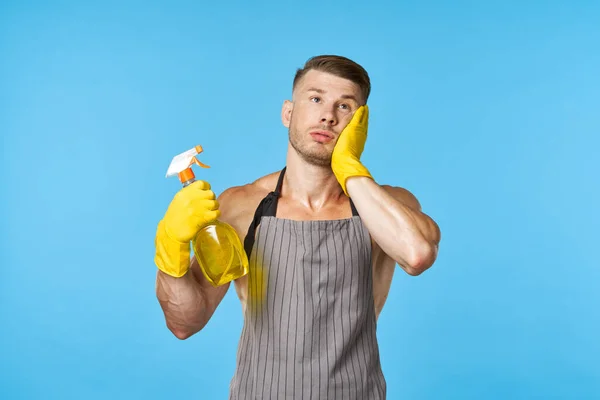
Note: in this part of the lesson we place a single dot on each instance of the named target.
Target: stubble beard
(318, 157)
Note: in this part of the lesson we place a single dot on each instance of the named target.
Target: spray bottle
(217, 247)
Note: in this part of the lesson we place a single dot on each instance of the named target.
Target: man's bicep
(212, 295)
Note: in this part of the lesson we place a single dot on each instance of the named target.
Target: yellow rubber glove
(192, 208)
(345, 160)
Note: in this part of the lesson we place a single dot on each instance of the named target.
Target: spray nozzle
(181, 165)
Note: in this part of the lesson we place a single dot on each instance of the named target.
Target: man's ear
(286, 113)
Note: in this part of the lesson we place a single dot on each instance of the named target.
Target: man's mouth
(322, 136)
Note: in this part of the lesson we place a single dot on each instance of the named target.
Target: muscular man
(322, 237)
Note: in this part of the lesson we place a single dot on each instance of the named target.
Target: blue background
(487, 111)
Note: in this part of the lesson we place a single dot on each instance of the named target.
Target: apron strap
(354, 210)
(266, 208)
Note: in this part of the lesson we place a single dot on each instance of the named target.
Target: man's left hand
(345, 160)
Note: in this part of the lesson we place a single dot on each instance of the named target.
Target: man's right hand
(192, 208)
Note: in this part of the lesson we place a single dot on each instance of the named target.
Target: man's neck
(311, 185)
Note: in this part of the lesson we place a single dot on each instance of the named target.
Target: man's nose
(329, 118)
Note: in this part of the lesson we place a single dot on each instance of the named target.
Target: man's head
(339, 66)
(325, 94)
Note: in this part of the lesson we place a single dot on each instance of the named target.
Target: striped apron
(309, 327)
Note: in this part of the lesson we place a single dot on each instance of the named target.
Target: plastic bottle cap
(186, 175)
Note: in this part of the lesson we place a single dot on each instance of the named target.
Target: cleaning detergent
(217, 247)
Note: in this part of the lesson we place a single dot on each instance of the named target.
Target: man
(323, 239)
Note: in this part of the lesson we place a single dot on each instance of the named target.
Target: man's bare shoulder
(238, 203)
(237, 196)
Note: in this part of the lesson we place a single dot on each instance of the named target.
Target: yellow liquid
(220, 253)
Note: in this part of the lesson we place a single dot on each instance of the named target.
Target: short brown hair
(338, 66)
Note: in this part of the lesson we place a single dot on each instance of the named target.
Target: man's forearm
(183, 303)
(403, 232)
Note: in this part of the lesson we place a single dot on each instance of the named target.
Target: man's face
(322, 106)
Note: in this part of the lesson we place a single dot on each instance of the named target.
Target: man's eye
(315, 99)
(345, 106)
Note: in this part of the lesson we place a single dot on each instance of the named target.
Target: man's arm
(393, 217)
(188, 302)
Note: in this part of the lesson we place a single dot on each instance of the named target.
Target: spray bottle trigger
(195, 160)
